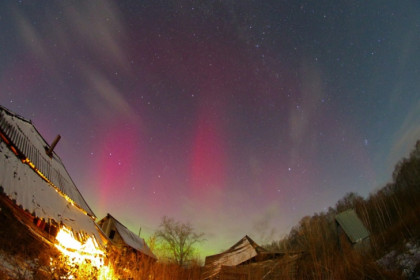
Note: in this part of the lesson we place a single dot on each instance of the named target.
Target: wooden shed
(125, 239)
(351, 231)
(246, 260)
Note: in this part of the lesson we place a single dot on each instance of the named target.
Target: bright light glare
(79, 253)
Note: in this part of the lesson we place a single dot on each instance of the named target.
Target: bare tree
(179, 239)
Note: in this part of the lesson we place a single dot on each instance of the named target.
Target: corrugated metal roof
(28, 190)
(30, 144)
(352, 225)
(131, 239)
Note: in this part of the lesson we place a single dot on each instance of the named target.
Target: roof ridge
(116, 220)
(15, 114)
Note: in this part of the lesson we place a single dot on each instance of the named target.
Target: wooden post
(51, 149)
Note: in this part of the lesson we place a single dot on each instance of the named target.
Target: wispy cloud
(303, 110)
(406, 136)
(96, 25)
(263, 224)
(103, 98)
(30, 36)
(94, 28)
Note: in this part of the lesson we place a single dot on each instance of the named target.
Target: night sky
(240, 117)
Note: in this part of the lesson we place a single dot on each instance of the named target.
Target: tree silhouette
(178, 239)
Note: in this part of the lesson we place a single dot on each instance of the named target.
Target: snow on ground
(15, 267)
(406, 261)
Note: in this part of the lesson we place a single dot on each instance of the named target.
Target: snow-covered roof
(244, 250)
(30, 144)
(131, 239)
(21, 183)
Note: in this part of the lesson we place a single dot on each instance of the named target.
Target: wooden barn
(246, 260)
(129, 253)
(125, 239)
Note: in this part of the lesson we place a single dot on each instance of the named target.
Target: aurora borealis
(240, 117)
